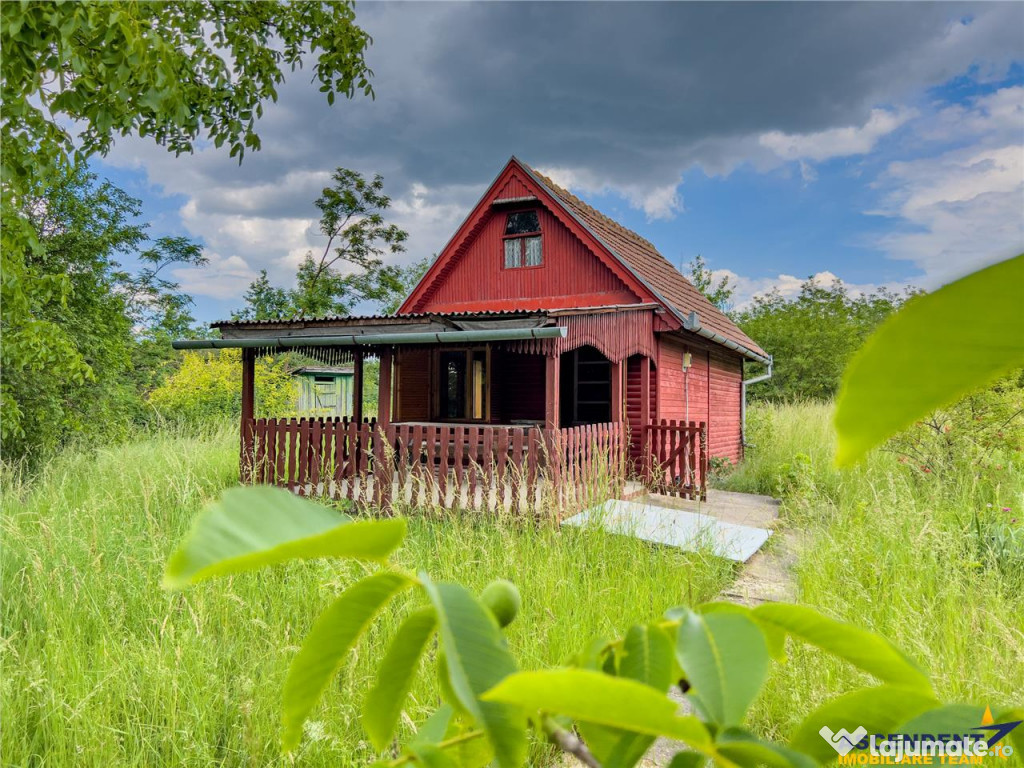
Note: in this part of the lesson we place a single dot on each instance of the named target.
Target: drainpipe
(743, 400)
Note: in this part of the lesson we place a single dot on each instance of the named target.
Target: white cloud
(747, 288)
(836, 142)
(223, 278)
(657, 201)
(963, 208)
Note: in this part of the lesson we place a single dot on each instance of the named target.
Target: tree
(812, 335)
(84, 227)
(718, 293)
(172, 71)
(263, 301)
(358, 237)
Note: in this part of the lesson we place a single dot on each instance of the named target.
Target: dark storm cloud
(632, 92)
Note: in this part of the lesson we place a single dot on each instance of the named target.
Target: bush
(207, 387)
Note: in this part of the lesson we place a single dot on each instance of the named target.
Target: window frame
(521, 236)
(469, 354)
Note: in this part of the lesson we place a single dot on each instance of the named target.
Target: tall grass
(897, 550)
(101, 667)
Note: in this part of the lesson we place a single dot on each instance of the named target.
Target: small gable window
(522, 240)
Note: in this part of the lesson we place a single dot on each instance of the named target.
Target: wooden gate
(676, 458)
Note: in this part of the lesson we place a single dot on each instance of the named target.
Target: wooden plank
(246, 424)
(502, 461)
(703, 474)
(532, 455)
(487, 464)
(384, 387)
(357, 386)
(459, 459)
(303, 456)
(338, 453)
(315, 453)
(281, 478)
(444, 438)
(270, 476)
(517, 470)
(552, 367)
(473, 464)
(293, 452)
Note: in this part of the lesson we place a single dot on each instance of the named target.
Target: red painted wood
(315, 452)
(357, 386)
(384, 388)
(578, 270)
(552, 367)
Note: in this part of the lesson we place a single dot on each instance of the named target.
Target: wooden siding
(412, 385)
(616, 335)
(634, 422)
(570, 276)
(710, 391)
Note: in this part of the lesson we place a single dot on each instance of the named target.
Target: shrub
(207, 387)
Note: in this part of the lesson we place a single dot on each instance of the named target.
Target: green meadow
(102, 667)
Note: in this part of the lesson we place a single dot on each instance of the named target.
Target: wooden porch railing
(676, 458)
(490, 467)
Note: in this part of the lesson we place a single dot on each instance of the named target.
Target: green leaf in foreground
(865, 650)
(477, 660)
(878, 710)
(249, 528)
(383, 704)
(594, 697)
(936, 349)
(745, 749)
(725, 658)
(327, 644)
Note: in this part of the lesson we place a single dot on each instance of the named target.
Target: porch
(521, 411)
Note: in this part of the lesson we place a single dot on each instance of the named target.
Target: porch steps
(730, 525)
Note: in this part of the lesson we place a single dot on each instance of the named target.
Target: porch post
(616, 370)
(357, 387)
(384, 389)
(645, 390)
(552, 368)
(248, 408)
(645, 416)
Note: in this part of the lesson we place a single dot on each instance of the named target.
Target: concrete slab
(690, 531)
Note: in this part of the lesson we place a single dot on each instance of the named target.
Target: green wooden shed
(325, 390)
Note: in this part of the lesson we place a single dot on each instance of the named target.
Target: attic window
(522, 240)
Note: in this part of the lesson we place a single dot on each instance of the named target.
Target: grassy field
(897, 550)
(101, 667)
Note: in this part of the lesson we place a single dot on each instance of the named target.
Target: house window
(522, 240)
(464, 386)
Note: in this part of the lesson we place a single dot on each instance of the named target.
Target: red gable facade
(580, 260)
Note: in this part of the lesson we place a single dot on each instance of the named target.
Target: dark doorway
(585, 388)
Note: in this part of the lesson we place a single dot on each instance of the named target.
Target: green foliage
(205, 388)
(812, 336)
(503, 600)
(243, 531)
(718, 293)
(352, 219)
(384, 702)
(332, 637)
(173, 72)
(75, 359)
(725, 657)
(94, 646)
(617, 697)
(936, 350)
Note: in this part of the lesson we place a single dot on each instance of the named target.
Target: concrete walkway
(765, 577)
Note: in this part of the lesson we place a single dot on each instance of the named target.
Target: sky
(881, 144)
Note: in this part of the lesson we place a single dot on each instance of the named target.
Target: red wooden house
(541, 323)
